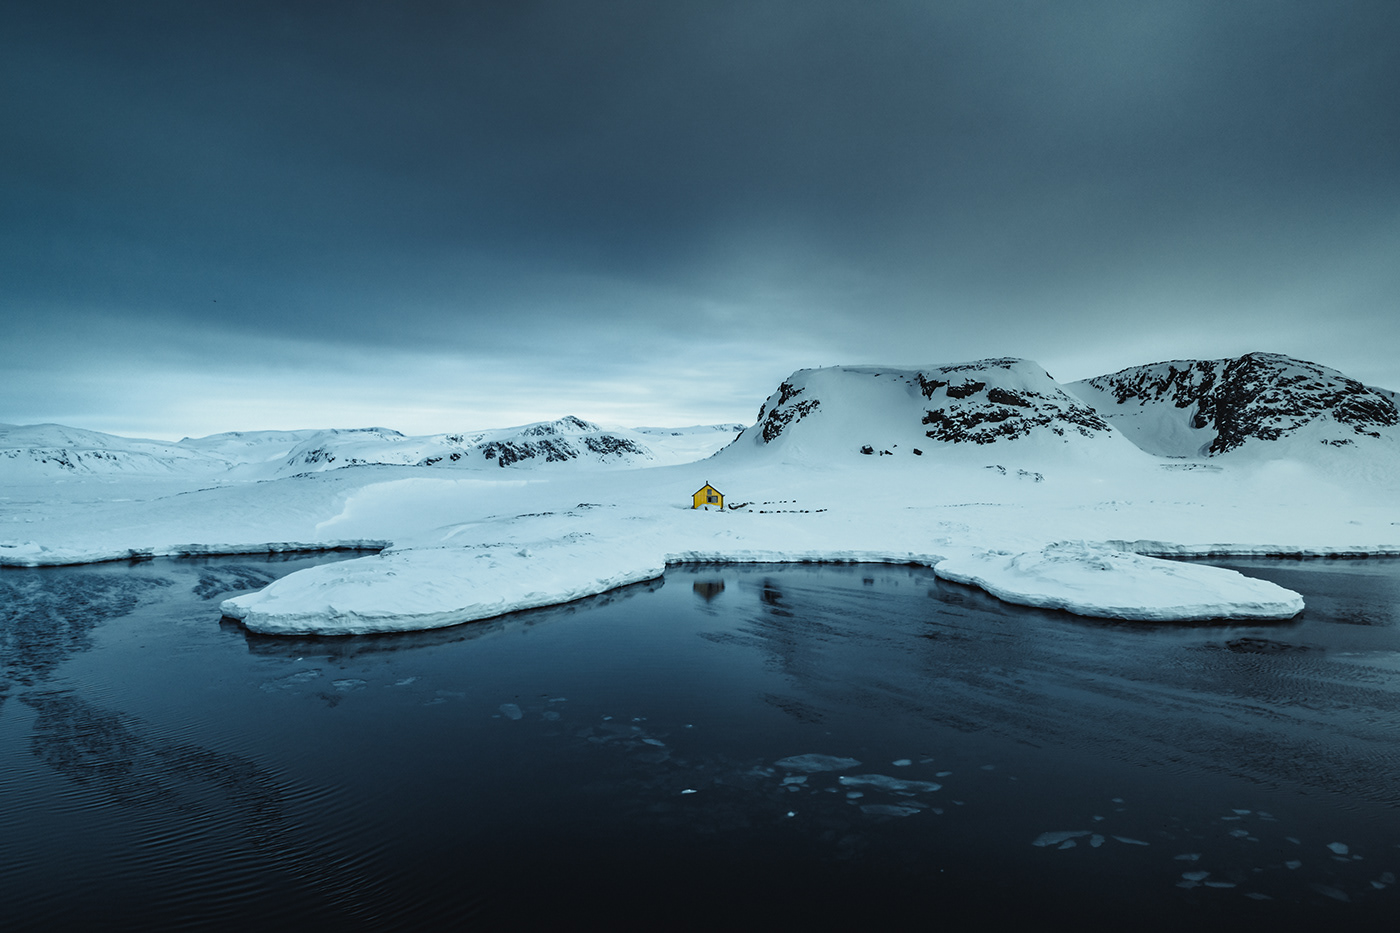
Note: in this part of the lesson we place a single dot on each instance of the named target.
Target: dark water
(615, 763)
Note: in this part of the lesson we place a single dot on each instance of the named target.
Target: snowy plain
(1074, 520)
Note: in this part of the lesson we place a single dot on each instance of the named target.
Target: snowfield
(989, 472)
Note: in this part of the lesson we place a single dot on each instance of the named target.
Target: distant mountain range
(49, 449)
(1259, 406)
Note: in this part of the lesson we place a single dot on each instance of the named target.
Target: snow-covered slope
(38, 450)
(1262, 404)
(998, 408)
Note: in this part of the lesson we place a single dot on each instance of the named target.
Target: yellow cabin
(708, 495)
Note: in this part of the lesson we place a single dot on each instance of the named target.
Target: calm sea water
(669, 756)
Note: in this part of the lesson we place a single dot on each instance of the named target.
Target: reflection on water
(820, 745)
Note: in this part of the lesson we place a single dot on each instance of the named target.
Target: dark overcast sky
(438, 216)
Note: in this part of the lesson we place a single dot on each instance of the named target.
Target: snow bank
(425, 588)
(1102, 581)
(32, 554)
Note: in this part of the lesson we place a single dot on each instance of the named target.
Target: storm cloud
(448, 215)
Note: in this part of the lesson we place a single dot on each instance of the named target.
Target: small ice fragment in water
(989, 767)
(885, 782)
(938, 810)
(925, 761)
(1189, 857)
(1255, 895)
(1195, 875)
(817, 763)
(657, 742)
(901, 762)
(510, 711)
(1068, 844)
(1328, 891)
(1098, 819)
(884, 809)
(1239, 833)
(1188, 885)
(347, 684)
(1242, 812)
(550, 715)
(405, 682)
(1340, 848)
(799, 779)
(1291, 839)
(1055, 838)
(854, 795)
(1293, 864)
(1095, 840)
(690, 790)
(558, 699)
(943, 774)
(1131, 842)
(1377, 885)
(1220, 884)
(606, 718)
(1388, 877)
(792, 813)
(1117, 800)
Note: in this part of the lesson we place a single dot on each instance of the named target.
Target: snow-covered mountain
(844, 411)
(568, 440)
(1262, 404)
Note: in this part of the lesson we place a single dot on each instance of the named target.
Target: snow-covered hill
(1261, 404)
(34, 451)
(1008, 405)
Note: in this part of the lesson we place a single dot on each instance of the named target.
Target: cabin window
(711, 497)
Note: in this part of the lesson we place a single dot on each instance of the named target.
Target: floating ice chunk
(510, 711)
(989, 767)
(557, 700)
(1188, 885)
(690, 790)
(1117, 800)
(938, 810)
(798, 779)
(1095, 840)
(1292, 864)
(1131, 842)
(885, 809)
(943, 774)
(815, 763)
(902, 762)
(657, 742)
(1239, 833)
(1326, 890)
(1388, 877)
(349, 683)
(1195, 875)
(1068, 844)
(792, 813)
(1242, 812)
(1055, 838)
(885, 782)
(1377, 885)
(1340, 848)
(854, 794)
(1294, 840)
(1220, 884)
(550, 715)
(1098, 819)
(1189, 857)
(1256, 896)
(1101, 580)
(405, 682)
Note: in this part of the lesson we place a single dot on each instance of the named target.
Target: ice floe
(1098, 580)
